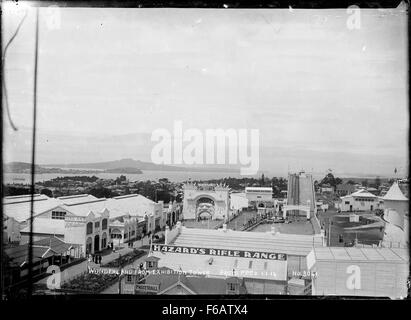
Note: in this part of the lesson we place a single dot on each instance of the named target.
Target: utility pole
(119, 276)
(33, 154)
(329, 231)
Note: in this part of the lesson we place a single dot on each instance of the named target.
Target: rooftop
(395, 193)
(41, 249)
(77, 198)
(361, 193)
(20, 211)
(84, 208)
(361, 254)
(291, 244)
(47, 226)
(258, 189)
(196, 284)
(24, 198)
(223, 266)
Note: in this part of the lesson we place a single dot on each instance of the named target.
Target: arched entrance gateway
(206, 201)
(89, 245)
(96, 243)
(205, 208)
(104, 240)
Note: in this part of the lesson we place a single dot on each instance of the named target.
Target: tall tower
(301, 191)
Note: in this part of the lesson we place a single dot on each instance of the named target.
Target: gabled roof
(83, 208)
(18, 207)
(41, 249)
(152, 258)
(361, 193)
(395, 193)
(79, 198)
(46, 226)
(195, 284)
(20, 211)
(24, 198)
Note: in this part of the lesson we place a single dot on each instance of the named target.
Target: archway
(89, 245)
(205, 211)
(96, 243)
(104, 240)
(205, 208)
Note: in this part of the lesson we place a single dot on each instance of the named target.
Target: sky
(321, 94)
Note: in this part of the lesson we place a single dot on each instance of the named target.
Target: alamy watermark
(213, 146)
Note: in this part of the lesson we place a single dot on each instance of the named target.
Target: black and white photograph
(191, 151)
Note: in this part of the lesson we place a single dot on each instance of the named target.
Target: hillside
(137, 164)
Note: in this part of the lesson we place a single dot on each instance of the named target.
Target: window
(60, 215)
(133, 233)
(104, 224)
(125, 235)
(129, 278)
(97, 224)
(347, 202)
(232, 287)
(89, 227)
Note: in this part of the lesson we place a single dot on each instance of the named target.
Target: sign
(152, 288)
(221, 252)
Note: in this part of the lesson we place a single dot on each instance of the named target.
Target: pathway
(77, 269)
(113, 289)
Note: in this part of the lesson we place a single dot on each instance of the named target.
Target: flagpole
(151, 243)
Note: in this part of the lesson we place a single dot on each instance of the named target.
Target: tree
(47, 192)
(350, 182)
(100, 192)
(364, 183)
(329, 179)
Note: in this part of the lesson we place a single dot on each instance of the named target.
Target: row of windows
(258, 191)
(119, 236)
(365, 199)
(60, 215)
(96, 225)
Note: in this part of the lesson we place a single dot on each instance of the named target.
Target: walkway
(77, 269)
(113, 289)
(242, 218)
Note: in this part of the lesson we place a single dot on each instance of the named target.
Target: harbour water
(173, 176)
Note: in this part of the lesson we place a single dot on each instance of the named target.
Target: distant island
(140, 165)
(123, 166)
